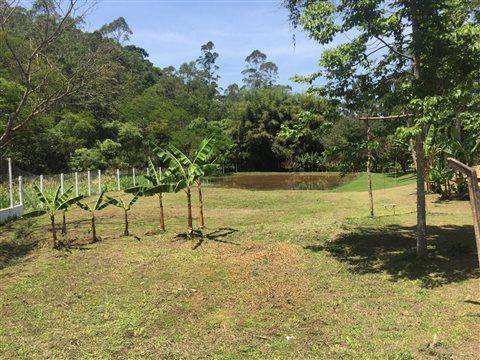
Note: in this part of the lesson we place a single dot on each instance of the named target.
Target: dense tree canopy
(110, 115)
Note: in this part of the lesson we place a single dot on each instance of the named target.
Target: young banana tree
(189, 173)
(101, 203)
(158, 184)
(203, 161)
(126, 206)
(51, 204)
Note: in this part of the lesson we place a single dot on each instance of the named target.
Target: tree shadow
(11, 251)
(391, 249)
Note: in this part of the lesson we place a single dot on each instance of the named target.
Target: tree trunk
(126, 232)
(421, 202)
(94, 229)
(417, 43)
(64, 223)
(200, 205)
(54, 230)
(369, 168)
(162, 216)
(189, 215)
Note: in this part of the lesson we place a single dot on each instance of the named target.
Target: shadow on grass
(16, 241)
(217, 235)
(12, 251)
(391, 249)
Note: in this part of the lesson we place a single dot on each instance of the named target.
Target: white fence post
(89, 183)
(160, 172)
(62, 183)
(76, 184)
(10, 181)
(41, 184)
(20, 190)
(118, 180)
(133, 176)
(99, 181)
(148, 171)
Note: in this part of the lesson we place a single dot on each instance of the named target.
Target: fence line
(12, 205)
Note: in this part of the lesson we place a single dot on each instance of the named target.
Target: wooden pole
(474, 191)
(99, 181)
(369, 167)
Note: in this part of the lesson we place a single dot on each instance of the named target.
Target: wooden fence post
(10, 181)
(474, 191)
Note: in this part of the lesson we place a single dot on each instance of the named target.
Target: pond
(282, 181)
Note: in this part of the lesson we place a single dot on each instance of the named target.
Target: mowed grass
(279, 275)
(379, 182)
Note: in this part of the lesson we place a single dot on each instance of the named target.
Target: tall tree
(55, 62)
(258, 71)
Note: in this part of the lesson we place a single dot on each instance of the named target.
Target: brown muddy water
(282, 181)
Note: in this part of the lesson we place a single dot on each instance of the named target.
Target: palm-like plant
(51, 204)
(101, 203)
(189, 173)
(158, 183)
(126, 206)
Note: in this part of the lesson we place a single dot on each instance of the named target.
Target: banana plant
(126, 206)
(189, 173)
(158, 184)
(51, 204)
(101, 203)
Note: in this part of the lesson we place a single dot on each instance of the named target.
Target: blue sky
(172, 32)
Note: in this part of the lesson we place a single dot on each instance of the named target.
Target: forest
(78, 117)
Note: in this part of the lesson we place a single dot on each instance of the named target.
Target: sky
(172, 31)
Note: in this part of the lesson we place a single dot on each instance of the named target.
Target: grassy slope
(379, 182)
(301, 274)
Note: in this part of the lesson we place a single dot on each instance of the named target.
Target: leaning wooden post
(369, 167)
(10, 182)
(474, 191)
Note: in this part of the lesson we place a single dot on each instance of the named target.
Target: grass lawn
(279, 275)
(379, 182)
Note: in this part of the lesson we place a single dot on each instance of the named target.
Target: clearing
(280, 274)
